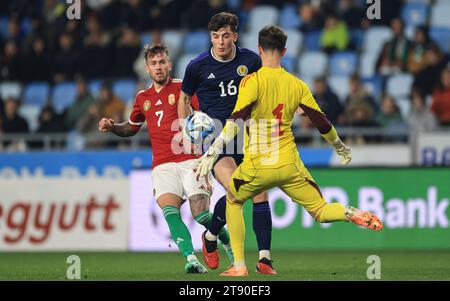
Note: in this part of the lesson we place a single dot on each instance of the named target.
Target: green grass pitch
(302, 265)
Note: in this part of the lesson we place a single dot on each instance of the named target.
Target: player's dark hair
(223, 19)
(272, 37)
(152, 50)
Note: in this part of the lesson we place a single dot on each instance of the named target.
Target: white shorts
(180, 179)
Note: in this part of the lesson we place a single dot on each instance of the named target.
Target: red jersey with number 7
(159, 110)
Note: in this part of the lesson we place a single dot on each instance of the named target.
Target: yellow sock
(236, 228)
(331, 212)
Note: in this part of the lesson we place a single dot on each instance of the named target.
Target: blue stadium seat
(357, 39)
(367, 64)
(414, 14)
(174, 40)
(36, 93)
(441, 35)
(294, 42)
(312, 64)
(25, 25)
(10, 89)
(196, 42)
(375, 38)
(125, 89)
(234, 4)
(289, 63)
(289, 18)
(399, 85)
(312, 40)
(343, 63)
(94, 87)
(374, 85)
(4, 20)
(182, 63)
(146, 38)
(31, 114)
(340, 86)
(440, 15)
(63, 96)
(261, 16)
(404, 105)
(250, 40)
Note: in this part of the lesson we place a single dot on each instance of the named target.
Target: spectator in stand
(394, 56)
(421, 118)
(389, 115)
(200, 12)
(421, 44)
(312, 18)
(83, 101)
(36, 66)
(108, 105)
(441, 99)
(427, 79)
(10, 62)
(127, 50)
(95, 58)
(327, 100)
(50, 121)
(136, 15)
(12, 122)
(358, 98)
(351, 13)
(65, 61)
(335, 35)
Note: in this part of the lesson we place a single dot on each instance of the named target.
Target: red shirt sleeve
(137, 118)
(195, 103)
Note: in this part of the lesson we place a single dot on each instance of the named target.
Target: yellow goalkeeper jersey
(269, 99)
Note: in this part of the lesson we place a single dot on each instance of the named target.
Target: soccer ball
(199, 128)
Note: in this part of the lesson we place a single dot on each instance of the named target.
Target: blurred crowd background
(379, 81)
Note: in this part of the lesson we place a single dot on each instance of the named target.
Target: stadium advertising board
(63, 214)
(433, 149)
(413, 203)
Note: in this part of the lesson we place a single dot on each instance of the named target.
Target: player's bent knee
(262, 197)
(199, 203)
(232, 199)
(169, 199)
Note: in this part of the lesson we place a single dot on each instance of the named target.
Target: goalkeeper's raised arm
(326, 129)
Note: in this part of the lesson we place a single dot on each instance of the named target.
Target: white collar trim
(222, 61)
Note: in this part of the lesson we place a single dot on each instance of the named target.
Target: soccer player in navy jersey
(214, 76)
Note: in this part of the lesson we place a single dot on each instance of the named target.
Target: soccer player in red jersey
(173, 166)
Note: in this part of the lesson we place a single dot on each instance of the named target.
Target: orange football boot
(235, 272)
(363, 218)
(264, 266)
(211, 258)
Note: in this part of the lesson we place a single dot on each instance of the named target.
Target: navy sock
(218, 218)
(262, 225)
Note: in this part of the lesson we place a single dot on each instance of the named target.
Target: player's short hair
(272, 37)
(223, 19)
(152, 50)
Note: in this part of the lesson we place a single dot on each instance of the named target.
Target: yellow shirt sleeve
(307, 98)
(248, 93)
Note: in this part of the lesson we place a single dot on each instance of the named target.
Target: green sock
(204, 219)
(178, 230)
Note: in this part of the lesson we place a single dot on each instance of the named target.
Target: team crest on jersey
(242, 70)
(171, 99)
(147, 105)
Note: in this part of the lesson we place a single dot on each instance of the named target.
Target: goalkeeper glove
(206, 162)
(342, 150)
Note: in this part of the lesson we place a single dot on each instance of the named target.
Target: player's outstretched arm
(184, 105)
(328, 132)
(124, 129)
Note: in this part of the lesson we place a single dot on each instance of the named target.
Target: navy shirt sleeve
(191, 79)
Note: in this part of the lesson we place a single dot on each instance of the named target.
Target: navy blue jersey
(216, 82)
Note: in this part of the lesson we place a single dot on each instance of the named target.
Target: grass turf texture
(340, 265)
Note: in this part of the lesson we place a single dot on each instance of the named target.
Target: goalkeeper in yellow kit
(267, 101)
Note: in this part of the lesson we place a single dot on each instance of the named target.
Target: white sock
(209, 236)
(226, 247)
(264, 253)
(239, 264)
(191, 257)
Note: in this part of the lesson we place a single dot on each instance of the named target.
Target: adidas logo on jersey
(211, 76)
(179, 240)
(158, 103)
